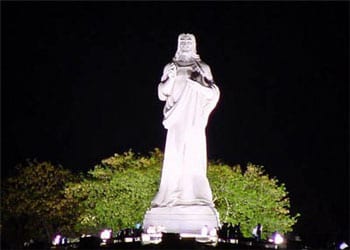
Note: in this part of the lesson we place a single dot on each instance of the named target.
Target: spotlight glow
(57, 240)
(106, 234)
(343, 246)
(278, 239)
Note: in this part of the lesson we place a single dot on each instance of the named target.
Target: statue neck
(185, 56)
(185, 61)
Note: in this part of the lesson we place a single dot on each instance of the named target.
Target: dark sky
(79, 83)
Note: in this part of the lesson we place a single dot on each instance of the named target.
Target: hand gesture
(171, 71)
(197, 68)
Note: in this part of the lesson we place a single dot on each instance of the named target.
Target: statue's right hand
(171, 71)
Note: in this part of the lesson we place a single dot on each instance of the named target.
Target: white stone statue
(189, 92)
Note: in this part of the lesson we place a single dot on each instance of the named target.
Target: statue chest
(182, 74)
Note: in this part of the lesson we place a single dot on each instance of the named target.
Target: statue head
(186, 47)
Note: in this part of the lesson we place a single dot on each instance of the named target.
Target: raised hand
(197, 68)
(171, 71)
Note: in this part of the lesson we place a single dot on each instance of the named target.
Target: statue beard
(186, 57)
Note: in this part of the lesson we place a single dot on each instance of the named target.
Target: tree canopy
(33, 204)
(250, 197)
(117, 192)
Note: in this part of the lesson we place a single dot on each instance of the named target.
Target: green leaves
(117, 192)
(122, 187)
(34, 200)
(250, 197)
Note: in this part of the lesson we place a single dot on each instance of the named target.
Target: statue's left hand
(197, 68)
(203, 70)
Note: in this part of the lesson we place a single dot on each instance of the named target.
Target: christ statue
(190, 94)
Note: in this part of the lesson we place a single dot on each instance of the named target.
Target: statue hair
(194, 54)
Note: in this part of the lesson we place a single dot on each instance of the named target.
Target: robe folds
(184, 173)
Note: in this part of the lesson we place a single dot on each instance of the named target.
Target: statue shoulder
(206, 70)
(168, 65)
(166, 68)
(204, 65)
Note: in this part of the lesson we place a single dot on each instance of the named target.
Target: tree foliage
(250, 197)
(118, 191)
(33, 202)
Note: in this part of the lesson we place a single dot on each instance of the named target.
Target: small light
(106, 234)
(343, 246)
(278, 239)
(57, 240)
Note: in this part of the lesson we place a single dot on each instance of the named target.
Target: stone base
(182, 219)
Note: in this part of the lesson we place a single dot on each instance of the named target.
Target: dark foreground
(136, 246)
(171, 242)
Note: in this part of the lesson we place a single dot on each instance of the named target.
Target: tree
(33, 202)
(250, 197)
(118, 192)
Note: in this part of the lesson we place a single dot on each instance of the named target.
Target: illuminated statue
(184, 202)
(190, 94)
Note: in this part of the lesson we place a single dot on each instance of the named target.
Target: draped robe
(186, 111)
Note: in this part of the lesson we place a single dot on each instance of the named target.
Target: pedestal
(182, 219)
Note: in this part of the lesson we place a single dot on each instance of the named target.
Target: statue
(184, 200)
(189, 92)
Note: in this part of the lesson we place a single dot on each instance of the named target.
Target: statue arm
(166, 83)
(202, 74)
(208, 89)
(208, 92)
(208, 77)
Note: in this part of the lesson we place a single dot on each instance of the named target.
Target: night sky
(79, 83)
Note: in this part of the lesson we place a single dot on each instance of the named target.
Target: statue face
(186, 45)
